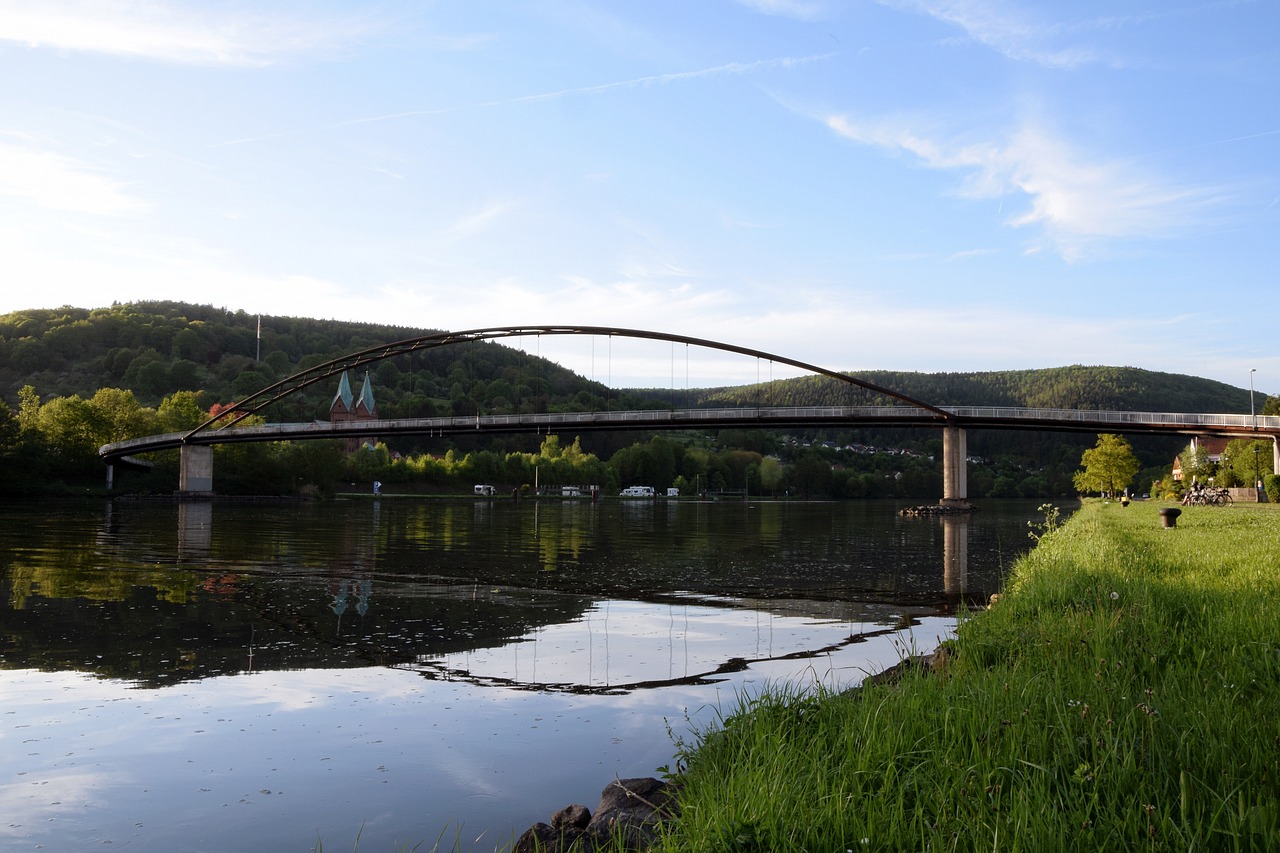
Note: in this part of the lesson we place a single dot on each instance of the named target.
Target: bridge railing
(778, 416)
(1267, 422)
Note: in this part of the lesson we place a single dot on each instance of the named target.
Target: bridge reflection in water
(541, 655)
(359, 652)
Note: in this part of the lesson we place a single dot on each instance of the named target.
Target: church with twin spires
(347, 407)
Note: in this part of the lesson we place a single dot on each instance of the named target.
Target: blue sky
(931, 185)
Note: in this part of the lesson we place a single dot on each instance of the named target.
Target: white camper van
(485, 490)
(636, 492)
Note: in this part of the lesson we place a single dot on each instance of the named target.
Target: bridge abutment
(955, 472)
(195, 473)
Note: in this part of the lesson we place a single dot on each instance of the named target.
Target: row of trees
(1110, 467)
(54, 443)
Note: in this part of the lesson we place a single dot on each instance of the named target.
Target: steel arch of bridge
(292, 384)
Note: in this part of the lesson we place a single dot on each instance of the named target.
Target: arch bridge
(196, 444)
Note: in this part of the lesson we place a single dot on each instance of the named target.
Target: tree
(1109, 466)
(1196, 464)
(181, 411)
(771, 474)
(1247, 460)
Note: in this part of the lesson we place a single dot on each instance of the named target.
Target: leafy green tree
(1246, 460)
(28, 409)
(812, 475)
(73, 431)
(21, 456)
(121, 416)
(771, 474)
(181, 411)
(1109, 466)
(1196, 464)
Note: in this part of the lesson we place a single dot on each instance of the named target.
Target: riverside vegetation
(72, 379)
(1123, 694)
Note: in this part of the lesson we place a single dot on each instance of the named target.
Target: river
(380, 672)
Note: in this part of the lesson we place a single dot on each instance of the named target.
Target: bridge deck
(763, 417)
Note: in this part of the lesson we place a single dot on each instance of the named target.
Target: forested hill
(1075, 387)
(156, 348)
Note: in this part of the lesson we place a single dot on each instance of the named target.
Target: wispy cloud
(1011, 33)
(971, 253)
(727, 69)
(184, 33)
(477, 221)
(57, 182)
(1016, 31)
(1076, 201)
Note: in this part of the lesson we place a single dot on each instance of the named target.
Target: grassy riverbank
(1123, 694)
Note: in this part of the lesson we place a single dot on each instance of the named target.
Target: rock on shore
(626, 819)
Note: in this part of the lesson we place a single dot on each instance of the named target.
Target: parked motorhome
(485, 490)
(637, 492)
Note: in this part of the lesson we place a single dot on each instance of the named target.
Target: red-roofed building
(1214, 447)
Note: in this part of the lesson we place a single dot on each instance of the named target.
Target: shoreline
(1122, 692)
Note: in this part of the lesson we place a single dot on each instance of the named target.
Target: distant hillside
(1075, 387)
(156, 348)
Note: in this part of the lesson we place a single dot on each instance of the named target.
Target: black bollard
(1169, 516)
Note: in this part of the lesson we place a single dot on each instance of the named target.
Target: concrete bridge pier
(955, 472)
(195, 473)
(1275, 454)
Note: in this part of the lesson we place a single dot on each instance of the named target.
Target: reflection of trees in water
(148, 593)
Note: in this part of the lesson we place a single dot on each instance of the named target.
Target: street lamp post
(1252, 413)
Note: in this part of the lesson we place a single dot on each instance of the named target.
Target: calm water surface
(231, 677)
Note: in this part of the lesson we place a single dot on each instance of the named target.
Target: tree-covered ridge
(155, 349)
(1074, 387)
(72, 379)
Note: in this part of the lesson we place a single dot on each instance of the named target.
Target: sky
(923, 185)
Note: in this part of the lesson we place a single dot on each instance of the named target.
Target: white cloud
(1077, 202)
(186, 33)
(55, 182)
(478, 221)
(1010, 33)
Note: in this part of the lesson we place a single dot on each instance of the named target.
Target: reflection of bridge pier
(955, 554)
(195, 527)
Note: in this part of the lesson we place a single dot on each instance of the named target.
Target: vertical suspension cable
(757, 382)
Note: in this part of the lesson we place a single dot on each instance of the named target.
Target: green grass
(1123, 694)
